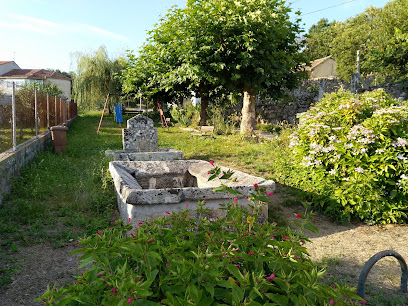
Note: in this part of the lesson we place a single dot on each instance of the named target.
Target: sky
(47, 34)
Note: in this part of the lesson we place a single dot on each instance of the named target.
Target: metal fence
(25, 113)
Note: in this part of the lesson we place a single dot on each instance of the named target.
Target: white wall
(8, 67)
(64, 85)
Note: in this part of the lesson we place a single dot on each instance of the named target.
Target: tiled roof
(36, 74)
(317, 62)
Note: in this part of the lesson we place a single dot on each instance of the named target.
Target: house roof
(317, 62)
(5, 62)
(36, 74)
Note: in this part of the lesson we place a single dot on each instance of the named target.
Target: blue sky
(48, 33)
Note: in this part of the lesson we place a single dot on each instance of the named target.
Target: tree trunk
(248, 121)
(203, 110)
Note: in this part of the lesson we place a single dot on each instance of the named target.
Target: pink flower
(187, 205)
(271, 277)
(114, 290)
(250, 253)
(151, 240)
(167, 264)
(212, 163)
(363, 302)
(270, 194)
(167, 213)
(331, 302)
(298, 216)
(284, 237)
(235, 249)
(130, 300)
(139, 224)
(236, 199)
(129, 220)
(256, 185)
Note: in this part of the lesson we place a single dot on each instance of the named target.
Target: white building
(9, 74)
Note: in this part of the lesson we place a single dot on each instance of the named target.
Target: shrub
(223, 125)
(186, 260)
(354, 149)
(187, 116)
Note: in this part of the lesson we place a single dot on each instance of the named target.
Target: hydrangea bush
(354, 151)
(186, 260)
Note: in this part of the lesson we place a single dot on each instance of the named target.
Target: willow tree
(96, 76)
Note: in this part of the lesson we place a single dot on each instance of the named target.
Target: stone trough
(150, 188)
(140, 143)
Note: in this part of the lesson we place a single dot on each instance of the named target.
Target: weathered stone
(140, 135)
(149, 189)
(140, 143)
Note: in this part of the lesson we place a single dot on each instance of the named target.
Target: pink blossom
(298, 216)
(363, 302)
(271, 277)
(114, 290)
(129, 220)
(250, 253)
(284, 237)
(256, 185)
(331, 302)
(151, 240)
(139, 224)
(130, 300)
(187, 205)
(270, 194)
(212, 163)
(167, 212)
(235, 249)
(167, 264)
(236, 199)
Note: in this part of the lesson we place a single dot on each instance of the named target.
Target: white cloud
(52, 28)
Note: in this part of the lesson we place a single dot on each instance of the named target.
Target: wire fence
(26, 113)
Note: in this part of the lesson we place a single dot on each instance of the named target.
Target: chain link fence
(25, 113)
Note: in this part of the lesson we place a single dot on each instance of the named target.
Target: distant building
(322, 68)
(9, 74)
(6, 66)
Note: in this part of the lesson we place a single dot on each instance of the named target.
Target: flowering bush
(185, 260)
(355, 151)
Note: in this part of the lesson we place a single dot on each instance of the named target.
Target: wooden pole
(48, 111)
(103, 112)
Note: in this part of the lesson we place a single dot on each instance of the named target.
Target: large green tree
(215, 46)
(250, 46)
(319, 42)
(96, 76)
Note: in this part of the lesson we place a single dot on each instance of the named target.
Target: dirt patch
(41, 265)
(344, 249)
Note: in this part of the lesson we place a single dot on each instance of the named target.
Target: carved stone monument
(140, 143)
(140, 135)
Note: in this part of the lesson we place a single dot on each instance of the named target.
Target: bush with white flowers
(354, 151)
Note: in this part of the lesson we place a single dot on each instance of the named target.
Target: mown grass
(61, 197)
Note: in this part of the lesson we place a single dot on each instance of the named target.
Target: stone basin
(150, 188)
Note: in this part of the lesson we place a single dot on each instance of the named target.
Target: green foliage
(97, 75)
(319, 42)
(189, 259)
(50, 89)
(354, 150)
(223, 124)
(186, 116)
(383, 50)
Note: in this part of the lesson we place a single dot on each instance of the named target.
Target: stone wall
(12, 161)
(302, 98)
